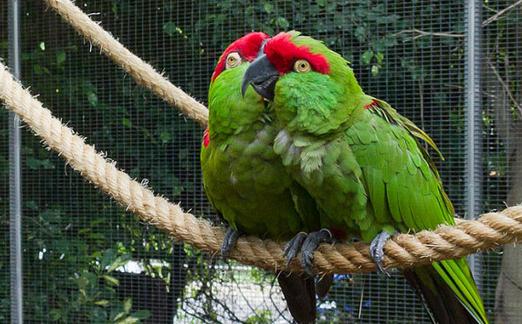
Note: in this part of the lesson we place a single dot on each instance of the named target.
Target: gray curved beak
(262, 75)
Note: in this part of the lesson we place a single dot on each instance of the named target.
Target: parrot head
(244, 49)
(310, 85)
(229, 109)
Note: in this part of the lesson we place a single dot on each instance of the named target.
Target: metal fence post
(473, 114)
(15, 199)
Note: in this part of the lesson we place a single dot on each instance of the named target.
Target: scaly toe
(377, 252)
(293, 246)
(229, 241)
(310, 244)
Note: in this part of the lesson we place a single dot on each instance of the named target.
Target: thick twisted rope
(404, 250)
(141, 72)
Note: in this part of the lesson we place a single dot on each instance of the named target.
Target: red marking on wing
(206, 138)
(247, 46)
(338, 233)
(371, 104)
(282, 53)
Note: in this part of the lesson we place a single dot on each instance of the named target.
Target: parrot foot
(310, 244)
(229, 241)
(377, 252)
(293, 246)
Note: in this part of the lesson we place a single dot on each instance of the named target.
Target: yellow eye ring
(233, 60)
(302, 66)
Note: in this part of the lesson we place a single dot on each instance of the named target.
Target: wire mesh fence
(87, 260)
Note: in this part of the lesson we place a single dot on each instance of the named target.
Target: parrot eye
(233, 60)
(302, 66)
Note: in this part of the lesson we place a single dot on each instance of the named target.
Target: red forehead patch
(247, 46)
(282, 53)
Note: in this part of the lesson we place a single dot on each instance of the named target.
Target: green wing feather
(405, 190)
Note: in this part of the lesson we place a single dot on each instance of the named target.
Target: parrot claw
(293, 246)
(310, 244)
(229, 241)
(377, 252)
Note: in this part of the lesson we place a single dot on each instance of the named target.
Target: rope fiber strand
(404, 250)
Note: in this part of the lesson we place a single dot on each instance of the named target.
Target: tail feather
(323, 284)
(299, 292)
(448, 291)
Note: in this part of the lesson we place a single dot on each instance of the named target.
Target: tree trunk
(508, 296)
(508, 301)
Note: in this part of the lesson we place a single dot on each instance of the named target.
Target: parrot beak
(262, 75)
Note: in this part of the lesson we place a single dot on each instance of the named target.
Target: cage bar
(15, 179)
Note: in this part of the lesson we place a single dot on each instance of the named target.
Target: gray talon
(229, 241)
(377, 252)
(309, 246)
(293, 246)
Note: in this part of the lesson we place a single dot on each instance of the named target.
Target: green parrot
(244, 179)
(362, 162)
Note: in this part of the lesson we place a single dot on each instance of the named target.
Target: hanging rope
(404, 250)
